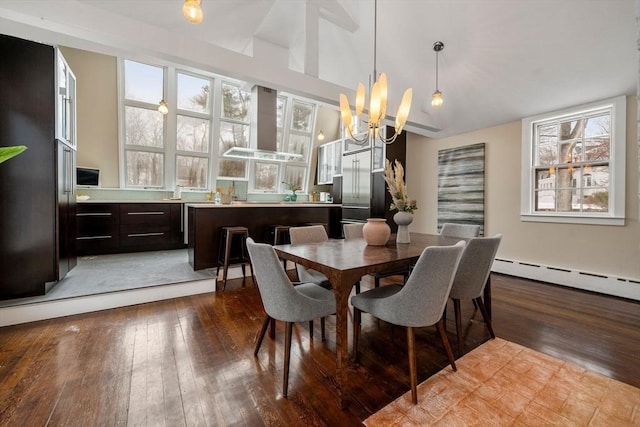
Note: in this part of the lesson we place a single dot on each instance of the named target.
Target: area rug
(504, 384)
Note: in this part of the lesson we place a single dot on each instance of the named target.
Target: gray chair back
(352, 230)
(422, 299)
(475, 267)
(308, 234)
(462, 231)
(280, 298)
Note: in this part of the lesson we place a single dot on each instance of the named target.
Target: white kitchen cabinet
(66, 102)
(329, 161)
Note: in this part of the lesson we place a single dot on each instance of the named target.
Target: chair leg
(444, 316)
(322, 323)
(287, 357)
(357, 315)
(413, 375)
(357, 285)
(265, 325)
(311, 329)
(485, 315)
(272, 329)
(445, 342)
(456, 305)
(376, 282)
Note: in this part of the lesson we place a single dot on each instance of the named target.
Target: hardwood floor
(189, 361)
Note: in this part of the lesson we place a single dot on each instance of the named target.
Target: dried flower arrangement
(394, 177)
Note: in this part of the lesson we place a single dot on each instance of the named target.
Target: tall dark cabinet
(37, 200)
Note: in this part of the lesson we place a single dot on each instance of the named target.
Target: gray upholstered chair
(471, 278)
(283, 301)
(464, 231)
(353, 230)
(309, 234)
(420, 302)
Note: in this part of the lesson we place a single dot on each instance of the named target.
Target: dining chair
(283, 301)
(471, 278)
(466, 231)
(354, 231)
(309, 234)
(420, 302)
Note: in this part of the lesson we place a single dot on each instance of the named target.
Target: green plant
(8, 152)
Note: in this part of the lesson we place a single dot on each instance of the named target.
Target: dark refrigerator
(37, 232)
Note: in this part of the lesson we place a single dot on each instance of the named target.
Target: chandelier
(377, 103)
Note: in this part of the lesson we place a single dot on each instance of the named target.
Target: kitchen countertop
(261, 204)
(136, 201)
(208, 204)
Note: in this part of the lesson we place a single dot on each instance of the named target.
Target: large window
(573, 164)
(295, 135)
(234, 128)
(144, 126)
(207, 116)
(193, 131)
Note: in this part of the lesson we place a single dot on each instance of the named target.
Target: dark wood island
(206, 219)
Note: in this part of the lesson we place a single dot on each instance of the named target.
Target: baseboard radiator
(604, 284)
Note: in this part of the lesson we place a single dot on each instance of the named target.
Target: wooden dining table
(344, 262)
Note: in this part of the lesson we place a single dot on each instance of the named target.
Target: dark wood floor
(189, 361)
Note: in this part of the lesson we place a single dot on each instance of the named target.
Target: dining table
(345, 262)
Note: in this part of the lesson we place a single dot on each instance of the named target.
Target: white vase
(403, 219)
(376, 231)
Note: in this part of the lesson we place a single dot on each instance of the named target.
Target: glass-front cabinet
(329, 161)
(66, 102)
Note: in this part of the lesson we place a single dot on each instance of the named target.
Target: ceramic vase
(376, 231)
(293, 196)
(403, 219)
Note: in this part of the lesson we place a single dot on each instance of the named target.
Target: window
(573, 164)
(234, 129)
(144, 126)
(295, 121)
(193, 130)
(160, 151)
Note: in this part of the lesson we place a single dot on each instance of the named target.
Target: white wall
(607, 250)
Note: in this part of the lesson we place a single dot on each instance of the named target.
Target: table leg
(342, 290)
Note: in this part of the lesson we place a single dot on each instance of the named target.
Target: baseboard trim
(595, 282)
(32, 312)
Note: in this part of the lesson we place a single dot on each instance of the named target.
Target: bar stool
(225, 258)
(279, 235)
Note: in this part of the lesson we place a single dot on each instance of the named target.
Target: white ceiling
(503, 59)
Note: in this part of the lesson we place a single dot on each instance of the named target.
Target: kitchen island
(206, 219)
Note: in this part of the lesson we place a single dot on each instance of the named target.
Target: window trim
(617, 167)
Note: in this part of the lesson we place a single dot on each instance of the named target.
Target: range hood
(264, 131)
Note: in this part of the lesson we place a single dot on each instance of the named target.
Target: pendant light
(163, 107)
(192, 11)
(377, 103)
(436, 99)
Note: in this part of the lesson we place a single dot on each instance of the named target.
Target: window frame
(170, 151)
(616, 163)
(124, 102)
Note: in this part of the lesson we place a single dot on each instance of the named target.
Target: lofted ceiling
(503, 59)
